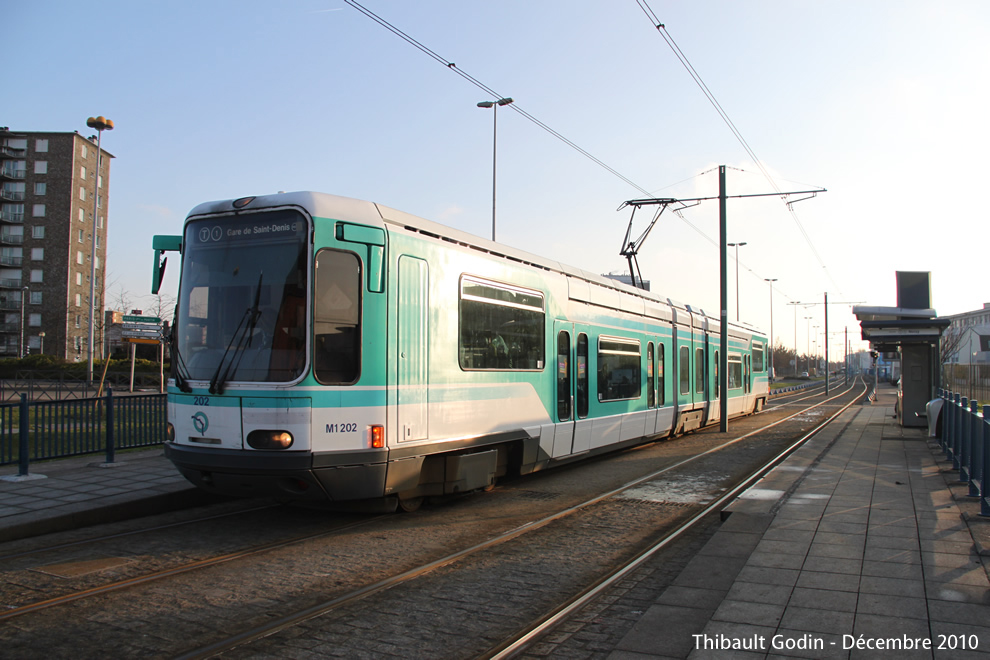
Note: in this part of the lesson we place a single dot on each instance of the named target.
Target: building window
(13, 191)
(41, 146)
(37, 232)
(38, 211)
(37, 254)
(78, 320)
(99, 222)
(40, 188)
(34, 320)
(82, 171)
(97, 263)
(78, 279)
(82, 215)
(82, 193)
(36, 297)
(41, 167)
(83, 151)
(79, 258)
(78, 300)
(97, 240)
(99, 181)
(81, 235)
(37, 275)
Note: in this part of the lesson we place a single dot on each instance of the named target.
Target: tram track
(518, 642)
(344, 598)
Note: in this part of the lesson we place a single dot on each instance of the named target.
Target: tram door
(413, 349)
(572, 429)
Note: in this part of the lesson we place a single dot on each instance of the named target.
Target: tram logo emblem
(201, 422)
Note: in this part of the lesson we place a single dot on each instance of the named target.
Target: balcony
(10, 305)
(12, 195)
(12, 152)
(10, 327)
(16, 217)
(8, 238)
(10, 284)
(7, 260)
(17, 174)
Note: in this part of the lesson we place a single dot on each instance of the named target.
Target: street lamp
(796, 303)
(20, 349)
(100, 124)
(41, 336)
(771, 280)
(494, 105)
(807, 342)
(737, 246)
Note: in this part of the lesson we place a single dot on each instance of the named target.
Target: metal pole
(723, 341)
(827, 372)
(20, 348)
(24, 456)
(92, 259)
(771, 281)
(494, 149)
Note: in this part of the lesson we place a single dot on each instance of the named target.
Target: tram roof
(348, 209)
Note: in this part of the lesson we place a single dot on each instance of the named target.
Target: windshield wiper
(243, 332)
(179, 369)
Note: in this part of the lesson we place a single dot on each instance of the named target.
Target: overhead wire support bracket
(630, 249)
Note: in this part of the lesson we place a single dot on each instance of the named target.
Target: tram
(332, 349)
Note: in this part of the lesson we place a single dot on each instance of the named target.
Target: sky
(881, 103)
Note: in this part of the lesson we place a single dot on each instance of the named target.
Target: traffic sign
(141, 319)
(141, 340)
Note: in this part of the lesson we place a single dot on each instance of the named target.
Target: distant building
(967, 339)
(48, 183)
(627, 279)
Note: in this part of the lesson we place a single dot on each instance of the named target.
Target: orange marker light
(377, 436)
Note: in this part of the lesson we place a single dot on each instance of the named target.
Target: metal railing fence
(41, 430)
(965, 439)
(971, 380)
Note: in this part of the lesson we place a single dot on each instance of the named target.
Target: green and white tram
(326, 348)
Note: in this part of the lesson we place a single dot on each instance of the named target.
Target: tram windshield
(242, 299)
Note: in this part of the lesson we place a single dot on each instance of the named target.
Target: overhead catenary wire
(662, 30)
(522, 112)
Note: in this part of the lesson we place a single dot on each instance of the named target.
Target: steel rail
(274, 626)
(177, 570)
(521, 640)
(134, 532)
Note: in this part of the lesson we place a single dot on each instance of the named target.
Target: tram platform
(77, 492)
(862, 544)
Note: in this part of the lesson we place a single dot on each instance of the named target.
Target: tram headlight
(170, 432)
(269, 439)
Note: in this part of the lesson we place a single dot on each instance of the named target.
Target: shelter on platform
(913, 330)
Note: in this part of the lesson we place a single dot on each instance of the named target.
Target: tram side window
(619, 369)
(501, 327)
(582, 376)
(661, 383)
(337, 317)
(651, 391)
(684, 369)
(735, 371)
(758, 364)
(699, 370)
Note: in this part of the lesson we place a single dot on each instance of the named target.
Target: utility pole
(630, 250)
(723, 340)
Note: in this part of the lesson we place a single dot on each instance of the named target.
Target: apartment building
(49, 187)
